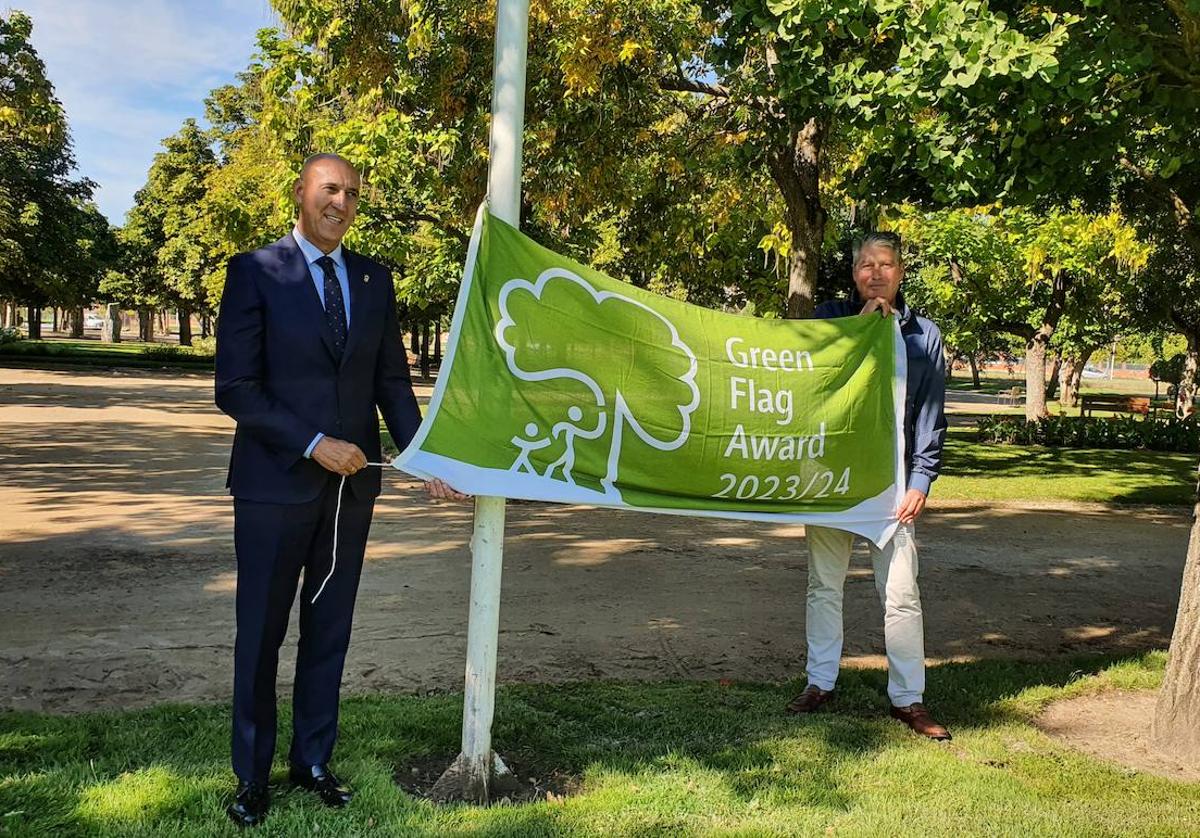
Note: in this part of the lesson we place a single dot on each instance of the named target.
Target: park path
(117, 572)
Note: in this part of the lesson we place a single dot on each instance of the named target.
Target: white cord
(336, 518)
(337, 515)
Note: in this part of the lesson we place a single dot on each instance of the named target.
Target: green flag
(563, 384)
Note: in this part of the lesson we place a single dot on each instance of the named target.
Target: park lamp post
(470, 777)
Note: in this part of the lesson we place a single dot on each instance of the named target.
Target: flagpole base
(476, 780)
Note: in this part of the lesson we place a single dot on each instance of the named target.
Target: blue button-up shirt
(311, 254)
(925, 402)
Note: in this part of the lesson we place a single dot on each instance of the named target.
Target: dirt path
(116, 569)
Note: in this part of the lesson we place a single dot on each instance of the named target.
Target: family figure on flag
(309, 349)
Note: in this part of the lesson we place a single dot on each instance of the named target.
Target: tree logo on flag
(543, 332)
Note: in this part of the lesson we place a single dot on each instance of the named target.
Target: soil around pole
(522, 785)
(117, 568)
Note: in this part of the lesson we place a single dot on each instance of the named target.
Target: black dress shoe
(321, 781)
(250, 804)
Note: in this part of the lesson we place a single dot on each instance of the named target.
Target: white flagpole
(470, 777)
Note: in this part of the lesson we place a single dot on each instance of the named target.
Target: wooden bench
(1116, 404)
(1013, 396)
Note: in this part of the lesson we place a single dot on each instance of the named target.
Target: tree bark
(974, 362)
(796, 170)
(185, 327)
(437, 341)
(35, 323)
(425, 350)
(1035, 376)
(1052, 381)
(54, 319)
(416, 338)
(1071, 374)
(110, 332)
(77, 322)
(1176, 725)
(1185, 393)
(1037, 343)
(949, 356)
(145, 324)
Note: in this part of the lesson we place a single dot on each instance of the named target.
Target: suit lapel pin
(366, 278)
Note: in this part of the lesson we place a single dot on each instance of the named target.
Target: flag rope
(336, 519)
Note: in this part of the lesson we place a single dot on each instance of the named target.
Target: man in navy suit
(308, 345)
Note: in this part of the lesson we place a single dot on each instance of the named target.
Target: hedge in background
(100, 354)
(1124, 432)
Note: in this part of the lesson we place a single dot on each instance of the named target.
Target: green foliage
(9, 334)
(618, 172)
(1125, 433)
(54, 244)
(903, 81)
(1168, 370)
(986, 271)
(169, 255)
(171, 352)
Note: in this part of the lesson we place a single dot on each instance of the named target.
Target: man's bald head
(311, 160)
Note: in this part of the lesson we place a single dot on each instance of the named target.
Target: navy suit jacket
(278, 377)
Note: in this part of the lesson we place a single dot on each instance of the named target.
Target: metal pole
(470, 778)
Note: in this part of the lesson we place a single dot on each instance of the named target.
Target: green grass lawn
(657, 759)
(84, 346)
(996, 383)
(98, 353)
(981, 471)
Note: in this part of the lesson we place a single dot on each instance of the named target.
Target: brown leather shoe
(918, 718)
(809, 701)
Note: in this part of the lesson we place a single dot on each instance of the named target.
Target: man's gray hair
(885, 238)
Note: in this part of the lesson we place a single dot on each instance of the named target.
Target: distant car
(1092, 372)
(93, 321)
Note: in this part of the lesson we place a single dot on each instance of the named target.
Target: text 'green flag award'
(562, 384)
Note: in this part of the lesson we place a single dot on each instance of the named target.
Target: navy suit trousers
(274, 544)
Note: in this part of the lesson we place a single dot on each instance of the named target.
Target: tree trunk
(425, 350)
(974, 362)
(1035, 376)
(1176, 725)
(1185, 393)
(1037, 343)
(437, 342)
(1052, 382)
(35, 323)
(416, 338)
(145, 324)
(796, 170)
(54, 319)
(185, 327)
(1070, 375)
(204, 325)
(77, 322)
(110, 332)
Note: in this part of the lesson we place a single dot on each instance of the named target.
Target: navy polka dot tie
(335, 304)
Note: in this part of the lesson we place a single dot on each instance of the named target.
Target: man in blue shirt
(878, 274)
